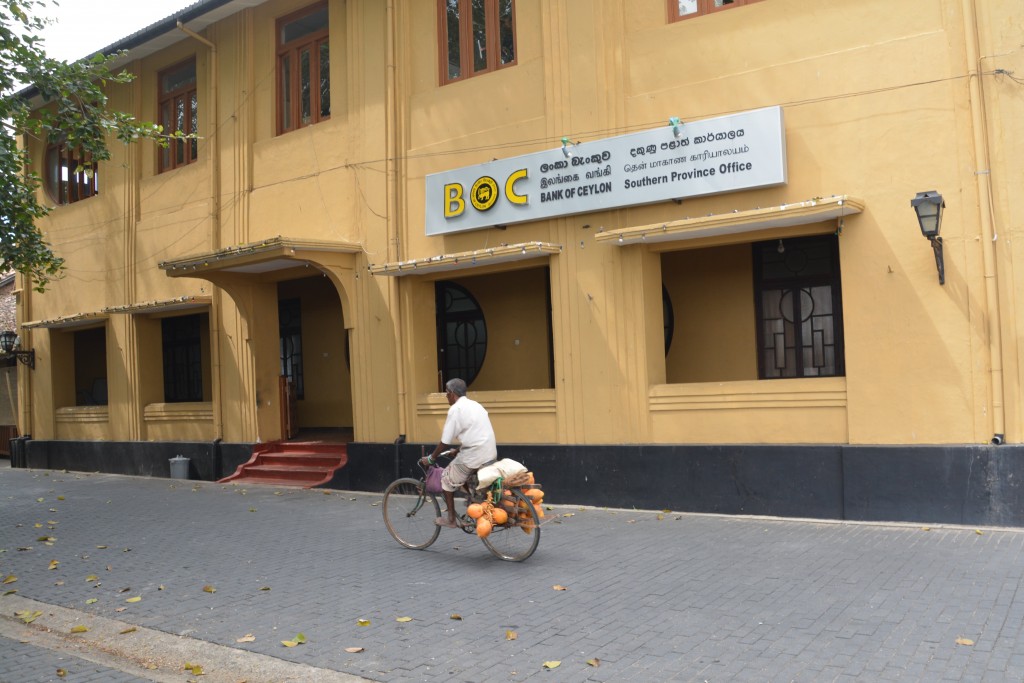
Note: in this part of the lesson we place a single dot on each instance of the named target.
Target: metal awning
(814, 210)
(265, 256)
(505, 253)
(68, 321)
(181, 303)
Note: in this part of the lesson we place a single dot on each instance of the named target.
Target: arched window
(461, 333)
(70, 174)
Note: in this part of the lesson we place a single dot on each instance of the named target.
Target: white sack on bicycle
(505, 468)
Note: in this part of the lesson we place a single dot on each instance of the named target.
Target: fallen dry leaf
(964, 641)
(137, 598)
(979, 532)
(362, 622)
(595, 662)
(54, 564)
(403, 619)
(209, 589)
(62, 672)
(79, 629)
(92, 577)
(552, 665)
(354, 649)
(511, 635)
(91, 601)
(10, 579)
(297, 640)
(456, 617)
(130, 629)
(247, 638)
(28, 616)
(194, 669)
(559, 588)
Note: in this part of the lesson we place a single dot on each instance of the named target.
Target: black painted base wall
(208, 461)
(966, 484)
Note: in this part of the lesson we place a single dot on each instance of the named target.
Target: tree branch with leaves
(63, 103)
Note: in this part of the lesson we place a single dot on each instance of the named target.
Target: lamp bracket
(940, 264)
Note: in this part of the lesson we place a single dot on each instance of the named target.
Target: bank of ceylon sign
(724, 154)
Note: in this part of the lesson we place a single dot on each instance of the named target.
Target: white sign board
(725, 154)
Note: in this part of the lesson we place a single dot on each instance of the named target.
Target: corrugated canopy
(755, 220)
(265, 256)
(68, 321)
(504, 253)
(181, 303)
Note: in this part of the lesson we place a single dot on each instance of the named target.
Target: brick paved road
(654, 597)
(24, 663)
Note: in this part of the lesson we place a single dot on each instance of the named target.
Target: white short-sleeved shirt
(468, 425)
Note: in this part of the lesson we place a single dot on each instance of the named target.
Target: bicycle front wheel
(518, 538)
(410, 512)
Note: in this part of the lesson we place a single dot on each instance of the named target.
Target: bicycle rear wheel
(409, 513)
(518, 538)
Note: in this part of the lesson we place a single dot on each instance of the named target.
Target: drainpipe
(987, 223)
(216, 294)
(394, 222)
(398, 455)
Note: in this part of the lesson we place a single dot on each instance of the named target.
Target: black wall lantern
(9, 343)
(928, 206)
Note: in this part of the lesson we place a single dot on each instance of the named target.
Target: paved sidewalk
(649, 596)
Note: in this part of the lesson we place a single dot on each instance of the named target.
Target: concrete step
(291, 464)
(300, 459)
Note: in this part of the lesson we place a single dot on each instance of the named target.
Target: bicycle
(410, 510)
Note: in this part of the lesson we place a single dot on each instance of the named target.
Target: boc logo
(483, 194)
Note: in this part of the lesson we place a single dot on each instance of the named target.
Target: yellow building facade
(562, 202)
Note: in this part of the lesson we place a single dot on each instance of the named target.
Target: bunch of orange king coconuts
(507, 509)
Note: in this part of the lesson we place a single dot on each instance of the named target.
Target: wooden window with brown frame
(475, 37)
(303, 68)
(687, 9)
(178, 107)
(71, 174)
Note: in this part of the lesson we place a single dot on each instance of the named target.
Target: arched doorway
(314, 359)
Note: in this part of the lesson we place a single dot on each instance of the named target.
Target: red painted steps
(291, 463)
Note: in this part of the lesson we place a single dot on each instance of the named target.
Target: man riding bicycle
(469, 428)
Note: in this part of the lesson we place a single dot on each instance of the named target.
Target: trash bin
(179, 467)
